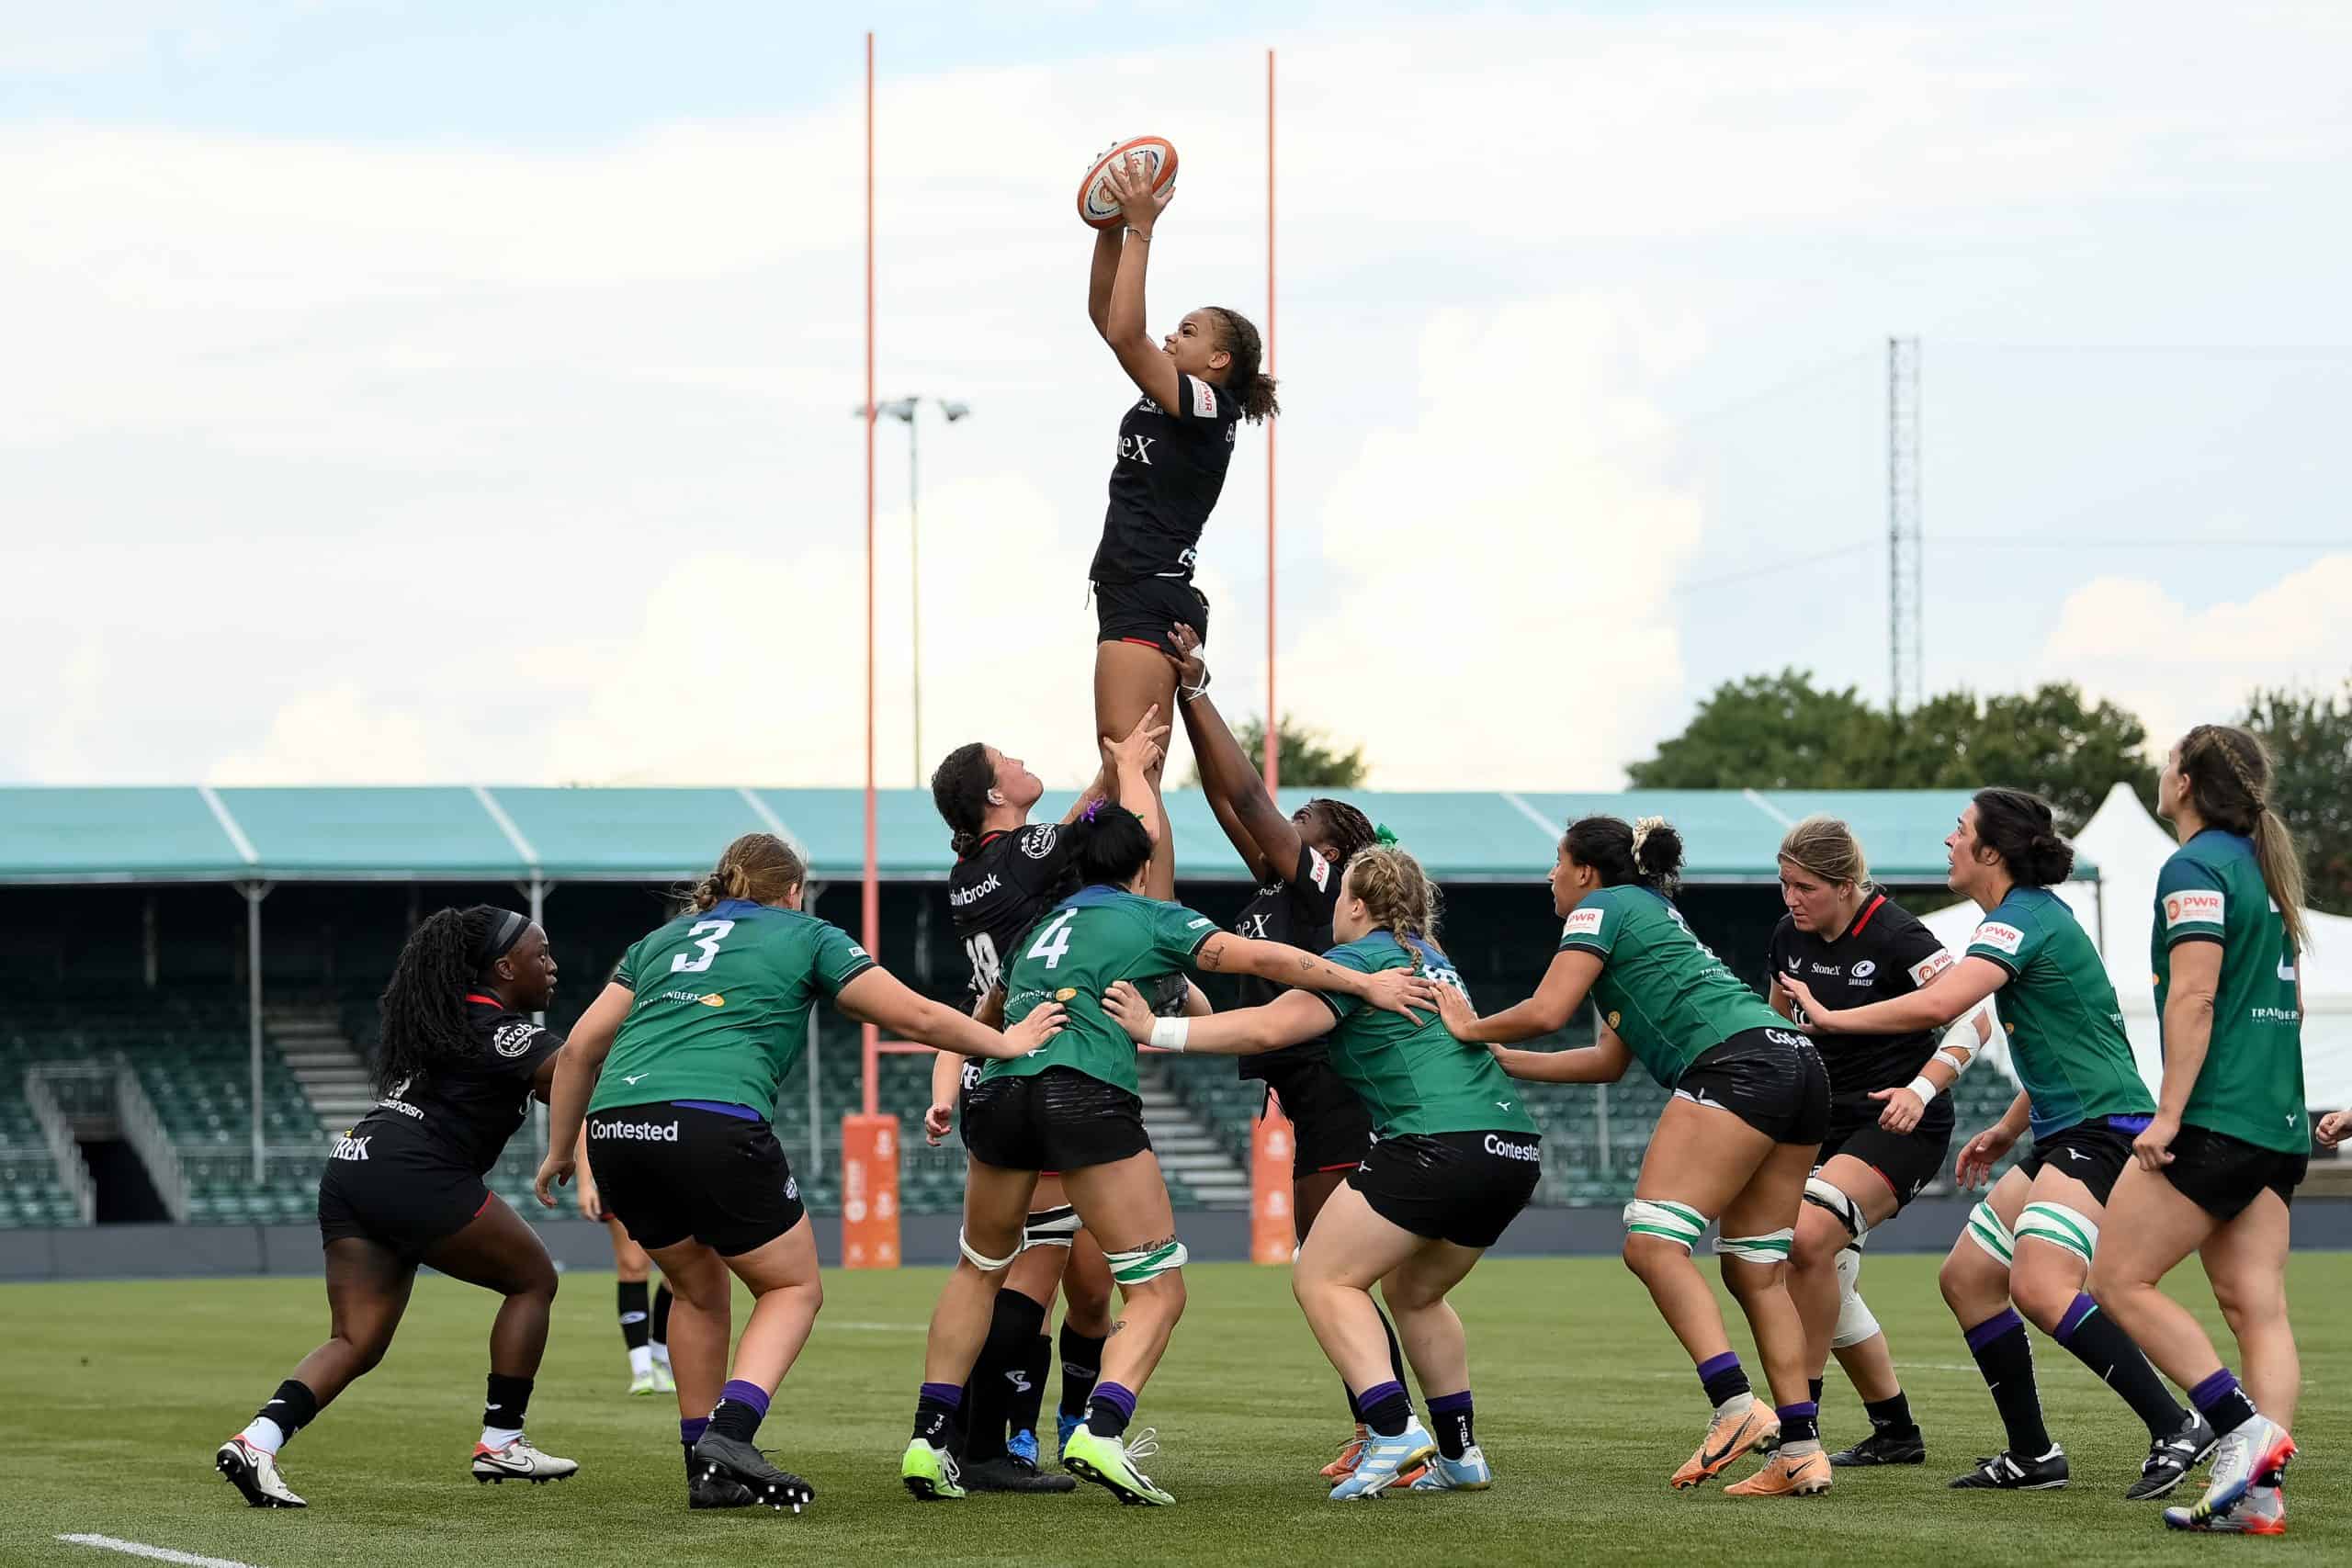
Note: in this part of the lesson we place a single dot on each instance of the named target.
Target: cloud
(402, 460)
(2134, 642)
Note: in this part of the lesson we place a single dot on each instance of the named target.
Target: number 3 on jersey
(683, 964)
(1054, 940)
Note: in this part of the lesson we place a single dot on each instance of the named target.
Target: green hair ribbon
(1382, 836)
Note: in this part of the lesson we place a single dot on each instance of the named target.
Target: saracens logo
(1865, 969)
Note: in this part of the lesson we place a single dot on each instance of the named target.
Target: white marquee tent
(2129, 847)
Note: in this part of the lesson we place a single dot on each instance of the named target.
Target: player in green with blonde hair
(673, 1071)
(1456, 1158)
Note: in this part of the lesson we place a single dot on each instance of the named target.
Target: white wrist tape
(1169, 1033)
(1922, 1088)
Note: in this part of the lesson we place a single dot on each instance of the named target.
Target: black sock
(1386, 1409)
(293, 1407)
(1450, 1417)
(1109, 1410)
(2005, 1359)
(1081, 1364)
(741, 1406)
(2099, 1343)
(1002, 1364)
(690, 1431)
(1812, 1390)
(936, 1404)
(661, 1300)
(1029, 1397)
(631, 1297)
(509, 1397)
(1396, 1351)
(2219, 1399)
(1721, 1378)
(1892, 1413)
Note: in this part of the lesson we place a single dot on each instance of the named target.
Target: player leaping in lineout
(1198, 384)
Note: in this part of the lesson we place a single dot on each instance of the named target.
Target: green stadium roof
(473, 833)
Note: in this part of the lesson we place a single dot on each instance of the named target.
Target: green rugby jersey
(2067, 1040)
(1668, 998)
(1416, 1078)
(1093, 939)
(2252, 1084)
(722, 1004)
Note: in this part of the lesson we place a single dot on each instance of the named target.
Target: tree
(1773, 732)
(1781, 732)
(2309, 737)
(1308, 760)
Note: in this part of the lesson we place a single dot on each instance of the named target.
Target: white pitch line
(875, 1328)
(159, 1553)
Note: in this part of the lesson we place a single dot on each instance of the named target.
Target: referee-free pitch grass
(116, 1395)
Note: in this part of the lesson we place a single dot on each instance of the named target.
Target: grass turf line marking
(159, 1553)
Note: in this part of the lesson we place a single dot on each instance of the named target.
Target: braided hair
(2228, 773)
(424, 1006)
(1347, 830)
(1254, 392)
(757, 866)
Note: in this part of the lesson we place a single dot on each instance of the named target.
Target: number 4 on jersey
(1054, 940)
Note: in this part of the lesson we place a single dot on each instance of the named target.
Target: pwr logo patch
(2199, 908)
(1582, 923)
(2003, 938)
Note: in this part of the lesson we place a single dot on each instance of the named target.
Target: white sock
(1802, 1446)
(264, 1433)
(498, 1437)
(660, 1353)
(640, 1361)
(1735, 1404)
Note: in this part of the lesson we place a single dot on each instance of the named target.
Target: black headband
(500, 939)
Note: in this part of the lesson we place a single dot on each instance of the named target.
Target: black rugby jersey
(1297, 911)
(1886, 952)
(1171, 468)
(464, 1111)
(998, 890)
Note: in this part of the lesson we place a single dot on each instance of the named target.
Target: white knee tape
(1673, 1222)
(1051, 1227)
(1772, 1247)
(1142, 1265)
(1855, 1323)
(980, 1260)
(2061, 1226)
(1841, 1206)
(1985, 1229)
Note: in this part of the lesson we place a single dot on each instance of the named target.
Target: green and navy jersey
(1092, 940)
(2067, 1040)
(1668, 997)
(722, 1004)
(1416, 1078)
(2252, 1084)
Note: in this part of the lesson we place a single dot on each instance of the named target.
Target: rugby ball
(1096, 204)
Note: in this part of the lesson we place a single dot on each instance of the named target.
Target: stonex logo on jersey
(2196, 907)
(1993, 933)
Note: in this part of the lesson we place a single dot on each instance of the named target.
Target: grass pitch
(116, 1395)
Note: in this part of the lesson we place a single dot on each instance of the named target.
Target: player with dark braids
(1198, 384)
(1298, 863)
(460, 1063)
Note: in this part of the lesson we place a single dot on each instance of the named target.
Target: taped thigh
(1142, 1265)
(1676, 1222)
(2061, 1226)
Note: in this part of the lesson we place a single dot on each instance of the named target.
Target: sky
(408, 392)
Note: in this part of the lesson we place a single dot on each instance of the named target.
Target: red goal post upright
(870, 1141)
(1273, 1227)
